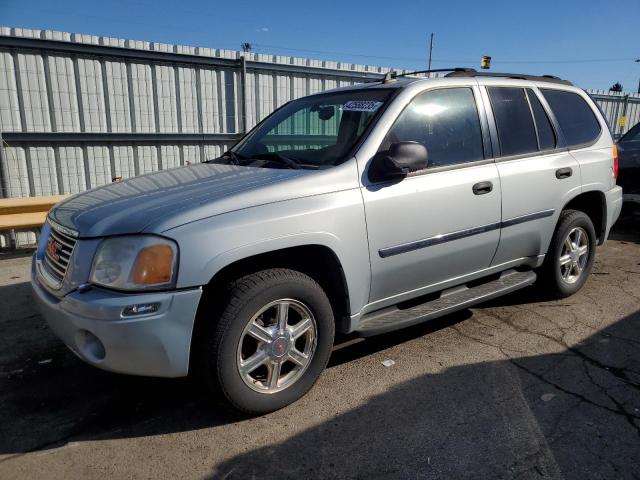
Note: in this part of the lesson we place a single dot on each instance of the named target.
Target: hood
(162, 200)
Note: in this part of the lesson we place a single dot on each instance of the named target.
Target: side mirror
(326, 113)
(401, 159)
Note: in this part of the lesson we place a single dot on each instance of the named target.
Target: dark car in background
(629, 164)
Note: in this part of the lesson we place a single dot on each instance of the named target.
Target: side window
(446, 122)
(577, 121)
(516, 131)
(546, 136)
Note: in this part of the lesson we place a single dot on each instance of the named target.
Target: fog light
(140, 309)
(90, 346)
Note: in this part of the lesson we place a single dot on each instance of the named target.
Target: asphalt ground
(523, 387)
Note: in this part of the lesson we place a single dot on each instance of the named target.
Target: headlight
(142, 262)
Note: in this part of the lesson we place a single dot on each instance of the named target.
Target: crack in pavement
(618, 372)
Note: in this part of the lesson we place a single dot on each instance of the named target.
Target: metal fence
(77, 111)
(621, 109)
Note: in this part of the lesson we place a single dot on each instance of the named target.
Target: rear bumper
(613, 198)
(92, 326)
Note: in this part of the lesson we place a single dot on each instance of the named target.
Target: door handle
(482, 187)
(564, 173)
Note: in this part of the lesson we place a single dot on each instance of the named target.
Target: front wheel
(271, 342)
(570, 256)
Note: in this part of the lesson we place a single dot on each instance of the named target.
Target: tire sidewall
(578, 219)
(235, 389)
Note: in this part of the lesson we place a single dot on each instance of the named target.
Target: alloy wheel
(277, 345)
(574, 255)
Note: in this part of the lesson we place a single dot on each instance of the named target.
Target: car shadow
(570, 414)
(627, 228)
(348, 348)
(49, 396)
(525, 416)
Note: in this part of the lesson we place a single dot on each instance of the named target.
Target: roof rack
(471, 72)
(389, 76)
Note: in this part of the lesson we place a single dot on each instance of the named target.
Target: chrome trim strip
(445, 237)
(527, 218)
(448, 237)
(60, 228)
(49, 279)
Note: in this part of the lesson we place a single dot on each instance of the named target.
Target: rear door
(537, 175)
(585, 134)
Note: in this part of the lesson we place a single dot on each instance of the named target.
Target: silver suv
(363, 209)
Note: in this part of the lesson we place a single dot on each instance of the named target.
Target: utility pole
(430, 52)
(246, 48)
(638, 61)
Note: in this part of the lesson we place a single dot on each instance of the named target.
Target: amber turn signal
(615, 161)
(153, 265)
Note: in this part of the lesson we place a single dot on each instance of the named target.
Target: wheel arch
(594, 204)
(318, 261)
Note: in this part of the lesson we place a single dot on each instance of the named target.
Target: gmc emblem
(53, 249)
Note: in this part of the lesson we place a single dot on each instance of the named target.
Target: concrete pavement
(519, 388)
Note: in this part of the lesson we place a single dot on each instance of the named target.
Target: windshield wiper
(233, 157)
(277, 157)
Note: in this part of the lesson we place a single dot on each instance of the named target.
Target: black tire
(550, 277)
(217, 358)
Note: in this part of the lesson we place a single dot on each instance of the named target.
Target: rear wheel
(271, 342)
(570, 256)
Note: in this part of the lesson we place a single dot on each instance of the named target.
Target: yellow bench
(22, 213)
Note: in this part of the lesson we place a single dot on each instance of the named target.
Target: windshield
(311, 132)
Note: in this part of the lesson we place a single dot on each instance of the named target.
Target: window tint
(516, 131)
(546, 136)
(577, 121)
(446, 122)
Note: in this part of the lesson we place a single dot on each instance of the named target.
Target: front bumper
(92, 326)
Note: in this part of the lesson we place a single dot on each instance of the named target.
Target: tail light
(615, 161)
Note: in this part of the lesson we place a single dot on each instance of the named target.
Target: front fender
(334, 220)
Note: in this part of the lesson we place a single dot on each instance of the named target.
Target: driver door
(443, 222)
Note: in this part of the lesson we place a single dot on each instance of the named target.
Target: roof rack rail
(389, 76)
(470, 72)
(435, 70)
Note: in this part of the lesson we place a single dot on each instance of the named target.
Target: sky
(590, 42)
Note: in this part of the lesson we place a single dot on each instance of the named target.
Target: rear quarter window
(577, 120)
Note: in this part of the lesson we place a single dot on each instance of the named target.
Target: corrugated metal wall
(77, 111)
(192, 95)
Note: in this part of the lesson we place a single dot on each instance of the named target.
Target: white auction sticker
(361, 106)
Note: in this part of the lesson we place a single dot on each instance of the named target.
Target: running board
(450, 300)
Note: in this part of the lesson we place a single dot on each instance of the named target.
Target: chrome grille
(58, 254)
